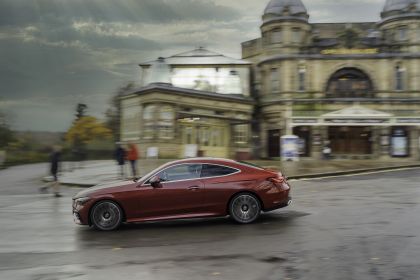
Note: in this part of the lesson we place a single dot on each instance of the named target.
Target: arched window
(349, 83)
(149, 113)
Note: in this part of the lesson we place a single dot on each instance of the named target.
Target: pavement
(350, 227)
(91, 173)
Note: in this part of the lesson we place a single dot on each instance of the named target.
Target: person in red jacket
(133, 156)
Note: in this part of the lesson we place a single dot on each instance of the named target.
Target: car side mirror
(156, 182)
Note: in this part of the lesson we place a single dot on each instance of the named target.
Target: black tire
(244, 208)
(106, 215)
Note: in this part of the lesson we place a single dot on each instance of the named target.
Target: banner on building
(290, 148)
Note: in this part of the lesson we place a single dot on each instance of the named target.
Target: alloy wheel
(106, 215)
(245, 208)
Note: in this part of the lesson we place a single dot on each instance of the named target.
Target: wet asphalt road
(355, 227)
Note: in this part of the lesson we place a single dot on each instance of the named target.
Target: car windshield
(154, 171)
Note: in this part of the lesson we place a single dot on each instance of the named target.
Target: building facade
(352, 86)
(196, 103)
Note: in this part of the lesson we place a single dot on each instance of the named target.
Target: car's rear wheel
(244, 208)
(106, 215)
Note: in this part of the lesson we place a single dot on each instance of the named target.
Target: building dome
(401, 8)
(285, 9)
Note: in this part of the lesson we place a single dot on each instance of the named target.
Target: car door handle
(194, 188)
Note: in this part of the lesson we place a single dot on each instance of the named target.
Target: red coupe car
(190, 188)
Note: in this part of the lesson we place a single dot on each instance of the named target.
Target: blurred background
(191, 78)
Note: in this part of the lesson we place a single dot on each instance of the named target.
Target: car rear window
(212, 170)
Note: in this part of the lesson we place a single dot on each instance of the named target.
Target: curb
(350, 172)
(297, 177)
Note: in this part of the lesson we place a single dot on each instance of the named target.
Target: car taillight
(277, 180)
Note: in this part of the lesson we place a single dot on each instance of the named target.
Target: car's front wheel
(244, 208)
(106, 215)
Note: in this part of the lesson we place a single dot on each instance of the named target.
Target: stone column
(385, 143)
(263, 141)
(318, 134)
(376, 142)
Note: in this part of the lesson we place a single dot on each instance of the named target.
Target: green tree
(113, 114)
(86, 130)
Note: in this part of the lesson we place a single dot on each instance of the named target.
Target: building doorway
(273, 144)
(350, 140)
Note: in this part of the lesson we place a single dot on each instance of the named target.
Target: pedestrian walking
(55, 161)
(133, 156)
(120, 155)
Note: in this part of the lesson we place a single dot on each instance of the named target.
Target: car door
(181, 193)
(220, 183)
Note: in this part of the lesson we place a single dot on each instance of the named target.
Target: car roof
(204, 160)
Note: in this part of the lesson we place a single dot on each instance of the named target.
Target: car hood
(102, 187)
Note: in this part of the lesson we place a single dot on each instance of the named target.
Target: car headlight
(82, 201)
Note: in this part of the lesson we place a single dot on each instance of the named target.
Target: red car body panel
(202, 197)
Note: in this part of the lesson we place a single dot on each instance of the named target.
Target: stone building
(196, 103)
(353, 86)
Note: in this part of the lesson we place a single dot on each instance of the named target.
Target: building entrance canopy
(356, 116)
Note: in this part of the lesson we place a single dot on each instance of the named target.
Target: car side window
(180, 172)
(212, 170)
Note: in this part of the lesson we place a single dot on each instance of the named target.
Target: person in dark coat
(55, 159)
(120, 155)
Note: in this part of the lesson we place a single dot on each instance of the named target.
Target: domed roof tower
(396, 9)
(285, 10)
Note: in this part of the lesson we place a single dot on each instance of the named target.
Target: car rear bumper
(280, 205)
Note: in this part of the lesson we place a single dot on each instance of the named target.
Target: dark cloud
(24, 12)
(57, 53)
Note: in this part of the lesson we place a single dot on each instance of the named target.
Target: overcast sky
(57, 53)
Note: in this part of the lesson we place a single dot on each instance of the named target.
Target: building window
(275, 80)
(149, 121)
(399, 78)
(240, 134)
(166, 122)
(189, 137)
(276, 36)
(296, 35)
(302, 78)
(203, 136)
(387, 36)
(402, 33)
(217, 137)
(349, 83)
